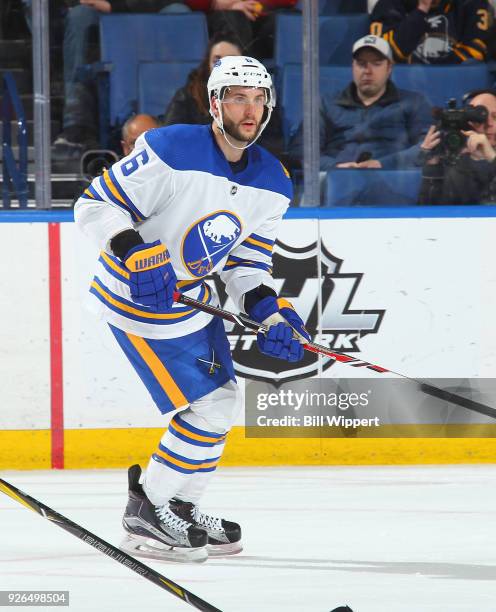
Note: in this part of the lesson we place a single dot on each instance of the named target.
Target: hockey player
(434, 31)
(190, 201)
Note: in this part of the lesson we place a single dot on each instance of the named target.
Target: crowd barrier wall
(413, 289)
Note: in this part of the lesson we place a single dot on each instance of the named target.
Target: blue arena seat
(337, 34)
(126, 40)
(158, 82)
(333, 7)
(332, 80)
(440, 83)
(351, 187)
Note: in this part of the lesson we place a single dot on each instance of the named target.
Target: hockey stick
(243, 320)
(106, 548)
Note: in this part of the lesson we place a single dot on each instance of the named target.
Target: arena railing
(41, 86)
(15, 175)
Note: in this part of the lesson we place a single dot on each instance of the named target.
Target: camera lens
(454, 141)
(476, 114)
(94, 162)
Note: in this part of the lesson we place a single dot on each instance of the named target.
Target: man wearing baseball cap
(373, 42)
(371, 123)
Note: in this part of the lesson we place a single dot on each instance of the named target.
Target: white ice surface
(380, 539)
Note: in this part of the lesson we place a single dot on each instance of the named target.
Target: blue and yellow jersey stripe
(118, 270)
(159, 371)
(187, 285)
(389, 37)
(259, 243)
(90, 193)
(475, 53)
(112, 189)
(114, 266)
(184, 464)
(135, 312)
(236, 262)
(457, 51)
(480, 43)
(193, 435)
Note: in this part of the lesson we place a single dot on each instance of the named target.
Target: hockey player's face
(371, 70)
(243, 109)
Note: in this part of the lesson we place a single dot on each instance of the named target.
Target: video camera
(450, 122)
(95, 161)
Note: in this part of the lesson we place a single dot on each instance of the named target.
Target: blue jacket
(390, 130)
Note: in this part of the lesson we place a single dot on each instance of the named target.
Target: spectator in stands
(27, 9)
(133, 128)
(371, 124)
(433, 31)
(251, 20)
(79, 124)
(467, 178)
(190, 103)
(491, 43)
(94, 163)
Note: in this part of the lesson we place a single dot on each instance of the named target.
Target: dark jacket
(390, 130)
(468, 181)
(184, 109)
(452, 32)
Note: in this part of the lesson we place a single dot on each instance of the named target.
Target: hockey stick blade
(104, 547)
(241, 319)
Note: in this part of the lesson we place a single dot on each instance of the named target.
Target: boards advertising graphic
(412, 295)
(324, 301)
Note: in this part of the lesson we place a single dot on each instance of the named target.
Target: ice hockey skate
(157, 532)
(224, 537)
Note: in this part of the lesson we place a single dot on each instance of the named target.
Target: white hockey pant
(192, 446)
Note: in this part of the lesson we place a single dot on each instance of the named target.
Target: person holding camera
(460, 154)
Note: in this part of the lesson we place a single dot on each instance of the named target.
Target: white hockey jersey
(177, 187)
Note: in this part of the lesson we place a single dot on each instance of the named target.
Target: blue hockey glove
(152, 279)
(286, 332)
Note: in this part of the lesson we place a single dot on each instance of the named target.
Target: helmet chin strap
(220, 123)
(223, 132)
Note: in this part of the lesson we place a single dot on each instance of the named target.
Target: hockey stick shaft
(105, 548)
(243, 320)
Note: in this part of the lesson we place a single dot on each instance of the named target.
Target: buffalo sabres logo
(437, 42)
(208, 240)
(342, 327)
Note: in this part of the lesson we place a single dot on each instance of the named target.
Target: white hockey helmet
(241, 71)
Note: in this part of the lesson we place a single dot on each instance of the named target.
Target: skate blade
(140, 546)
(224, 550)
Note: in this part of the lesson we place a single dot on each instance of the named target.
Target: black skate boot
(158, 533)
(224, 537)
